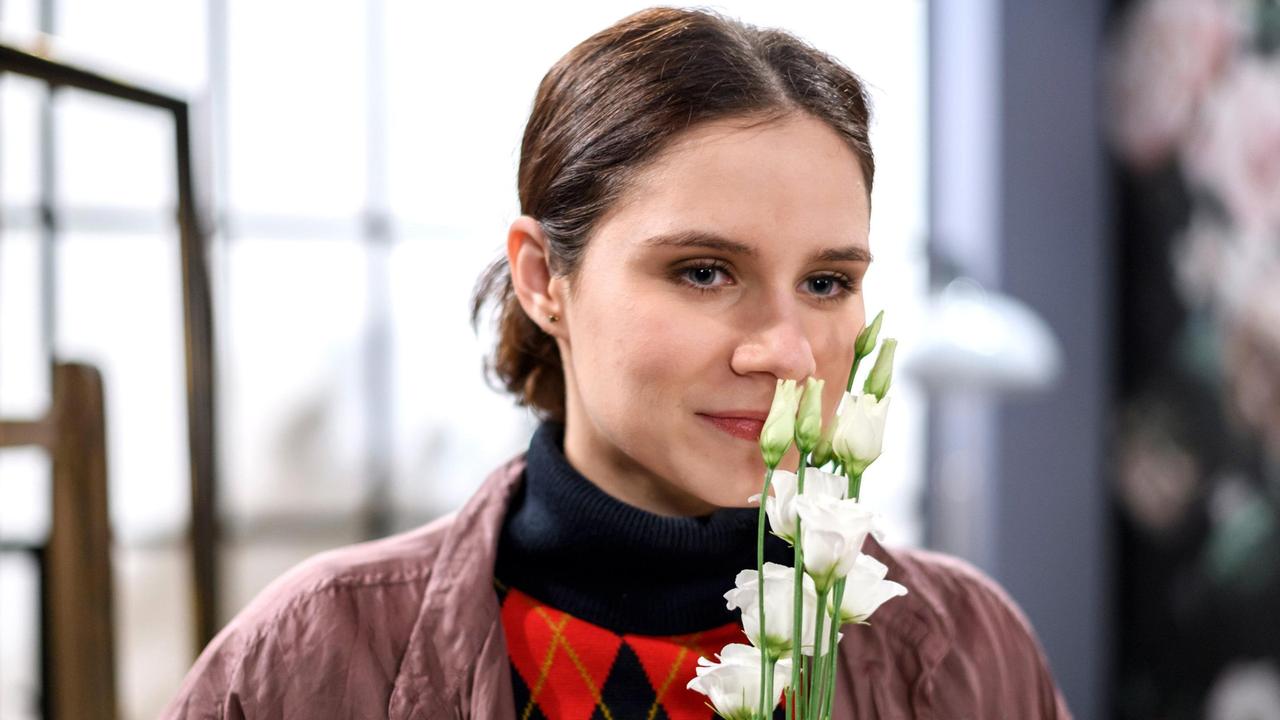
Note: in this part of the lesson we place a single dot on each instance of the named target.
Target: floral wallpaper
(1194, 119)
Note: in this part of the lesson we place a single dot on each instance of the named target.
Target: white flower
(832, 533)
(780, 506)
(779, 608)
(733, 684)
(859, 431)
(866, 590)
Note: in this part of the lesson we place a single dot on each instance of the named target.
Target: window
(346, 151)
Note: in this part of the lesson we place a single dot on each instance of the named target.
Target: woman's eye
(822, 285)
(830, 287)
(703, 277)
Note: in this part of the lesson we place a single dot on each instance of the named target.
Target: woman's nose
(778, 346)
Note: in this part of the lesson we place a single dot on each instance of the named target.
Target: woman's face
(737, 259)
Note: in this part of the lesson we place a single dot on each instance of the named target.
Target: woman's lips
(744, 428)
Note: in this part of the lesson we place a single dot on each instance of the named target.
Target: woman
(696, 205)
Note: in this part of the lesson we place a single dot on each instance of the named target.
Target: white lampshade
(981, 340)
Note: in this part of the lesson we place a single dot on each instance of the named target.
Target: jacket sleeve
(318, 643)
(295, 662)
(208, 691)
(996, 665)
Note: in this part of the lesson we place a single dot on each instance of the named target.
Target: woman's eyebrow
(712, 241)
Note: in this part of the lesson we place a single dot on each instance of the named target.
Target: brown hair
(607, 109)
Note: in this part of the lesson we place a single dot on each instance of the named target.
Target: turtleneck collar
(569, 544)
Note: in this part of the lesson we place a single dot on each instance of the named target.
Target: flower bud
(881, 375)
(859, 433)
(809, 417)
(780, 426)
(867, 338)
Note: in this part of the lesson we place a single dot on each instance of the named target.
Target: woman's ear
(538, 291)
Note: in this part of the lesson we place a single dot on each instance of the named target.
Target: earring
(552, 318)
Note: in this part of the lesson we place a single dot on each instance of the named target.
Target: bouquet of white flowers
(793, 615)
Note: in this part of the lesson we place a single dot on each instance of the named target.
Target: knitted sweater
(607, 607)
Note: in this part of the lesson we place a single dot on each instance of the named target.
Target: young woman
(696, 203)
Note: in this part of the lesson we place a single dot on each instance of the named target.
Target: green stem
(829, 667)
(760, 523)
(806, 671)
(803, 705)
(853, 370)
(798, 689)
(829, 679)
(814, 683)
(797, 606)
(769, 662)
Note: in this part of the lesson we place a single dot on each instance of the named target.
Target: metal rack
(75, 587)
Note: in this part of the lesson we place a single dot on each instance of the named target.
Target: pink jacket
(407, 627)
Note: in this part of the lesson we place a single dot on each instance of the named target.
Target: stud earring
(552, 318)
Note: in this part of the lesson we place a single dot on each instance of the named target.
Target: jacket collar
(459, 611)
(459, 622)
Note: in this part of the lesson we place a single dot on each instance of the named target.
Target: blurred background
(237, 253)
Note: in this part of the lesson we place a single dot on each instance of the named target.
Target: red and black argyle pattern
(564, 668)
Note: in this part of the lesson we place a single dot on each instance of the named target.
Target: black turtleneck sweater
(608, 606)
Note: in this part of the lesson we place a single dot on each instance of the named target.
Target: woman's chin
(740, 474)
